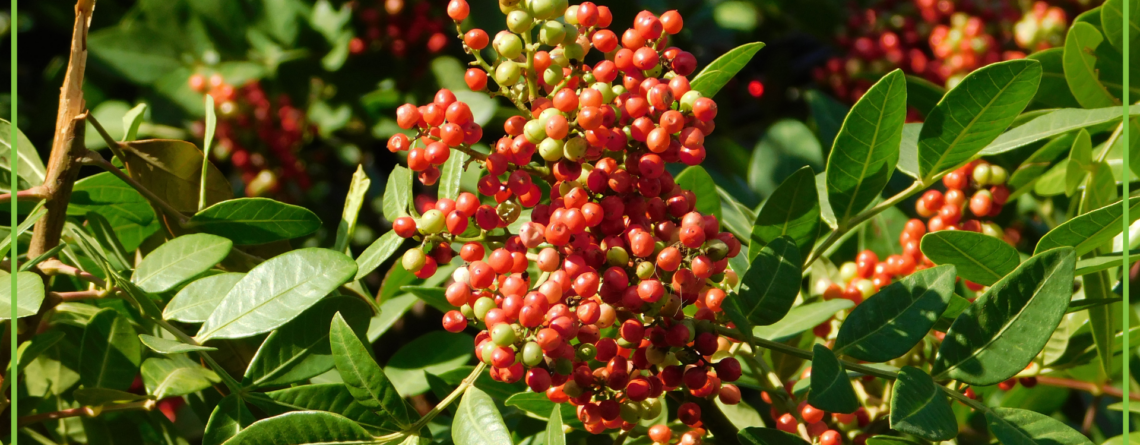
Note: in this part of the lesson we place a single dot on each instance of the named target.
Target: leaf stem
(459, 390)
(85, 411)
(57, 267)
(30, 195)
(115, 146)
(865, 216)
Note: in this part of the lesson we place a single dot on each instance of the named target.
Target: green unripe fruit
(992, 229)
(531, 354)
(545, 115)
(551, 33)
(631, 411)
(571, 34)
(550, 149)
(998, 175)
(625, 343)
(487, 352)
(571, 388)
(575, 148)
(571, 16)
(558, 58)
(573, 51)
(414, 260)
(654, 356)
(717, 277)
(467, 311)
(563, 366)
(671, 360)
(588, 77)
(618, 90)
(658, 247)
(431, 222)
(703, 327)
(982, 174)
(508, 45)
(482, 306)
(617, 256)
(653, 72)
(509, 210)
(688, 98)
(650, 408)
(720, 355)
(519, 21)
(503, 334)
(645, 270)
(565, 187)
(534, 131)
(553, 75)
(716, 249)
(585, 352)
(506, 6)
(847, 271)
(606, 90)
(508, 73)
(548, 9)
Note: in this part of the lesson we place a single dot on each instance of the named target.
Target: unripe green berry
(992, 229)
(688, 99)
(653, 72)
(671, 360)
(414, 260)
(571, 16)
(550, 149)
(508, 45)
(551, 33)
(487, 353)
(982, 174)
(545, 115)
(588, 77)
(564, 366)
(509, 211)
(617, 256)
(654, 356)
(531, 354)
(631, 411)
(519, 21)
(431, 222)
(503, 334)
(548, 9)
(574, 149)
(650, 408)
(467, 311)
(508, 73)
(553, 75)
(618, 90)
(559, 59)
(571, 34)
(482, 306)
(645, 270)
(574, 51)
(998, 175)
(716, 249)
(586, 351)
(534, 131)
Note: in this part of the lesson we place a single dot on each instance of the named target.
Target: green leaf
(300, 350)
(136, 53)
(1107, 261)
(104, 396)
(997, 336)
(29, 294)
(29, 167)
(1014, 426)
(227, 420)
(698, 181)
(451, 174)
(1039, 162)
(435, 352)
(256, 221)
(398, 193)
(352, 203)
(920, 408)
(867, 147)
(717, 74)
(793, 210)
(1080, 67)
(890, 440)
(179, 261)
(538, 406)
(173, 171)
(277, 291)
(131, 121)
(554, 434)
(767, 436)
(1080, 162)
(1054, 91)
(31, 349)
(831, 390)
(329, 397)
(363, 376)
(888, 324)
(1052, 124)
(195, 302)
(979, 258)
(923, 94)
(168, 346)
(975, 112)
(111, 353)
(1090, 231)
(377, 253)
(130, 215)
(738, 218)
(771, 284)
(802, 318)
(104, 235)
(477, 421)
(303, 428)
(175, 376)
(740, 415)
(1102, 317)
(787, 145)
(827, 113)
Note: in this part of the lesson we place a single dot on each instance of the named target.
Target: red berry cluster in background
(586, 302)
(259, 137)
(939, 40)
(400, 27)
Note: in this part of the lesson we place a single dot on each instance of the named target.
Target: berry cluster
(260, 138)
(939, 40)
(399, 28)
(618, 248)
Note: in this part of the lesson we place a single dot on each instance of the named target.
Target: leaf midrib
(890, 321)
(870, 151)
(971, 258)
(185, 258)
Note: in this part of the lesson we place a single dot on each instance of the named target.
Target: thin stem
(1089, 387)
(95, 159)
(85, 411)
(439, 407)
(863, 217)
(531, 78)
(115, 146)
(230, 383)
(56, 267)
(30, 195)
(91, 294)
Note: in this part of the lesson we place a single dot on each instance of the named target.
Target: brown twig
(1089, 387)
(80, 295)
(29, 195)
(84, 411)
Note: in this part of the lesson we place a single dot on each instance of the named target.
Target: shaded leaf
(1080, 67)
(104, 396)
(697, 180)
(888, 324)
(435, 352)
(1091, 230)
(1054, 91)
(277, 291)
(793, 210)
(717, 74)
(172, 170)
(920, 408)
(353, 201)
(168, 346)
(179, 261)
(975, 112)
(831, 389)
(554, 434)
(129, 214)
(362, 375)
(255, 221)
(300, 349)
(29, 167)
(227, 419)
(768, 436)
(376, 253)
(303, 428)
(923, 95)
(997, 336)
(771, 284)
(979, 258)
(1014, 426)
(111, 352)
(175, 376)
(329, 397)
(827, 113)
(1080, 162)
(451, 173)
(1053, 124)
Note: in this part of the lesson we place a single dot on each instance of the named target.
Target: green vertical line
(1126, 122)
(13, 133)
